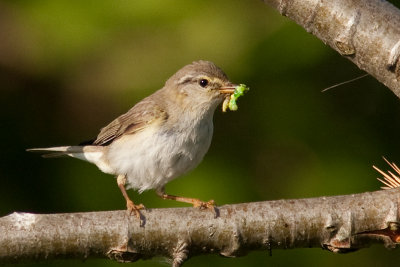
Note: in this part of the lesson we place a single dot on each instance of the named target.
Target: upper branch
(339, 224)
(365, 31)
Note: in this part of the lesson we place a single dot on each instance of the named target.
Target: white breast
(153, 157)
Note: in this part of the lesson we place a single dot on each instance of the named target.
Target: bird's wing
(137, 118)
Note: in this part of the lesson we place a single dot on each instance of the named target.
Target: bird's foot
(134, 209)
(204, 205)
(197, 203)
(209, 205)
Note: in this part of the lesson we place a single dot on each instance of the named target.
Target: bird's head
(199, 85)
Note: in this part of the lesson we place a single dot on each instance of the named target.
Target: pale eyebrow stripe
(189, 77)
(218, 80)
(185, 79)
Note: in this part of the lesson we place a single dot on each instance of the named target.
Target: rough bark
(339, 224)
(367, 32)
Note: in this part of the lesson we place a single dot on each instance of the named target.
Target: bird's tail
(93, 154)
(59, 151)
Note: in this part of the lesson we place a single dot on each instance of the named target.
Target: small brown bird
(162, 137)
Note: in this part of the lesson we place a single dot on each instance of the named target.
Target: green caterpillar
(230, 102)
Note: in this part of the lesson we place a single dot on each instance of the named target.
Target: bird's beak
(228, 89)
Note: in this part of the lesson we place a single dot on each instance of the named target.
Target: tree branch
(339, 224)
(367, 32)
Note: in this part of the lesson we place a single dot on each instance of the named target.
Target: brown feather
(136, 119)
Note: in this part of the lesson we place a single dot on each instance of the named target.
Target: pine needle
(349, 81)
(389, 179)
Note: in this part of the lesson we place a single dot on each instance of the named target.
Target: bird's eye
(203, 82)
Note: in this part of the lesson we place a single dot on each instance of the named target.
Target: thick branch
(339, 224)
(365, 31)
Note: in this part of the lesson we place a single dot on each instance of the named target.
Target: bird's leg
(197, 203)
(132, 208)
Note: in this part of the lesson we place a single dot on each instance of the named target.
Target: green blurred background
(67, 68)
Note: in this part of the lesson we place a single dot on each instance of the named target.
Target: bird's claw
(210, 205)
(134, 209)
(204, 205)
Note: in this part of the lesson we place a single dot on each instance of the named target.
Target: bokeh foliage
(69, 67)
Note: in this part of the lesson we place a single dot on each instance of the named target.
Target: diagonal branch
(339, 224)
(367, 32)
